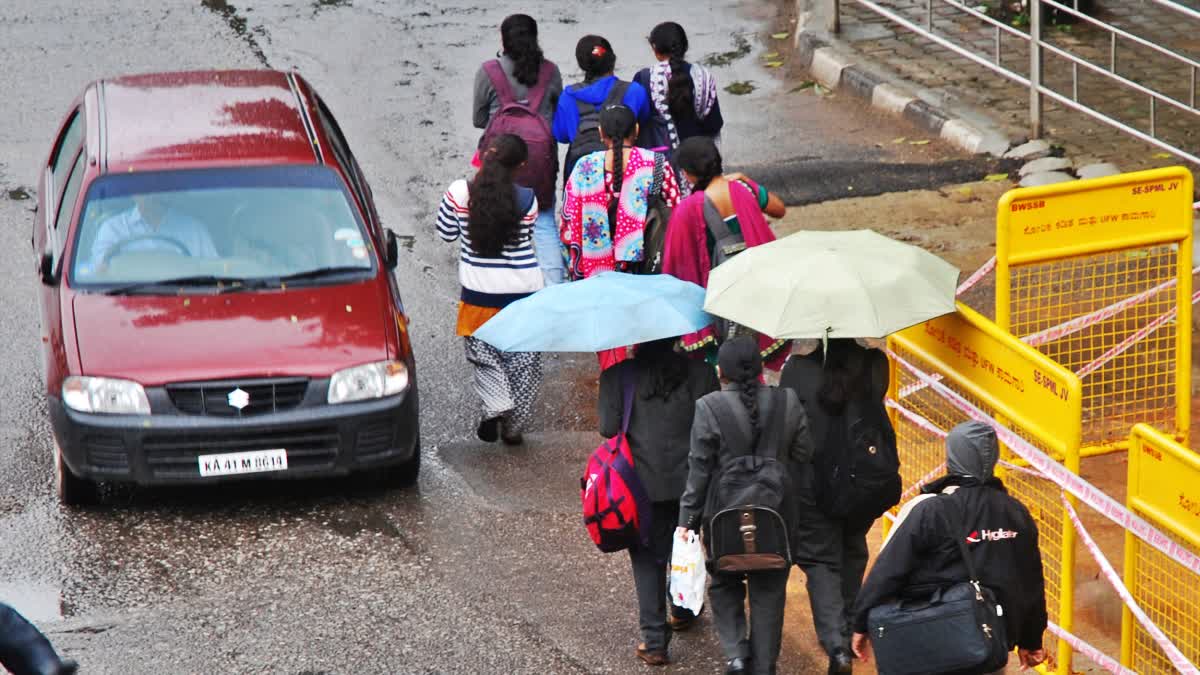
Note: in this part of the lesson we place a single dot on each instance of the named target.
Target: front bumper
(323, 440)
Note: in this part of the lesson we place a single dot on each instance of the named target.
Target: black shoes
(489, 429)
(738, 666)
(842, 661)
(509, 436)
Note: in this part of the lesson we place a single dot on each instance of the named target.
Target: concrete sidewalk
(981, 111)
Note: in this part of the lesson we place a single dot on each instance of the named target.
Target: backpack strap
(729, 424)
(538, 91)
(716, 225)
(616, 93)
(500, 83)
(524, 197)
(959, 533)
(628, 384)
(656, 185)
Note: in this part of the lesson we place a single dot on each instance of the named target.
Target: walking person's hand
(1031, 657)
(861, 646)
(682, 533)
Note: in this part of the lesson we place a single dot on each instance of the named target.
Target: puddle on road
(741, 47)
(37, 602)
(18, 194)
(237, 23)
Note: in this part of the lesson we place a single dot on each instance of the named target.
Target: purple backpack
(522, 119)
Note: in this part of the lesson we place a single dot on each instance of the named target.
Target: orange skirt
(471, 317)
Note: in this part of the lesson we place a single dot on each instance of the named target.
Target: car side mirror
(46, 269)
(391, 251)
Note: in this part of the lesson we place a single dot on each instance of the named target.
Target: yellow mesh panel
(1136, 386)
(1170, 595)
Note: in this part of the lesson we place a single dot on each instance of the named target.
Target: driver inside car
(151, 225)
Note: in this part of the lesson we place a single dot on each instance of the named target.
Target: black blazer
(659, 429)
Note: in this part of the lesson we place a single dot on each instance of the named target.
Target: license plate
(231, 463)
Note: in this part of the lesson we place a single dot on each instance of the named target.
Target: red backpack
(616, 509)
(522, 119)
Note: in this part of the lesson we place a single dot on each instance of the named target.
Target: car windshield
(210, 227)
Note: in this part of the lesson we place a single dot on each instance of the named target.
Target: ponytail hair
(595, 57)
(518, 36)
(700, 157)
(670, 40)
(493, 220)
(741, 364)
(618, 124)
(844, 377)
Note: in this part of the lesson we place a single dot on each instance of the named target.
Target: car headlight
(105, 395)
(371, 380)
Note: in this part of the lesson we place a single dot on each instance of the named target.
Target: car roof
(201, 119)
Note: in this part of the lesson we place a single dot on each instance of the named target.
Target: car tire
(71, 489)
(404, 475)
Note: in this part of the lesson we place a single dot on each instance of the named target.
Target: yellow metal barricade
(1164, 488)
(1021, 388)
(1065, 253)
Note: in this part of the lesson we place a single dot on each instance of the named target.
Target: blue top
(566, 117)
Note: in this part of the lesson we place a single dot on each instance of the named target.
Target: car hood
(303, 331)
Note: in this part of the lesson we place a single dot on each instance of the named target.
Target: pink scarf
(685, 253)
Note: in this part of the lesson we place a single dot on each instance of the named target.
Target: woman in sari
(723, 216)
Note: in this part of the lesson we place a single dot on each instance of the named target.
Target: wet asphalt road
(483, 567)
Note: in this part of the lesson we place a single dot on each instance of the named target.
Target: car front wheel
(72, 490)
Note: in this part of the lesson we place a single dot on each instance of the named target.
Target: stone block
(1034, 149)
(1045, 178)
(1046, 164)
(1098, 170)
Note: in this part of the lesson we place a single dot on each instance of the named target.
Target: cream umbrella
(854, 284)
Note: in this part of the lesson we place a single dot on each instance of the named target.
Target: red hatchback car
(216, 290)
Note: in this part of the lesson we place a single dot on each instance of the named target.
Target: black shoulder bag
(959, 630)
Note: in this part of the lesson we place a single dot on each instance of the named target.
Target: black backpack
(857, 466)
(750, 495)
(658, 216)
(587, 134)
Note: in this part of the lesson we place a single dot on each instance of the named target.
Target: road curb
(836, 66)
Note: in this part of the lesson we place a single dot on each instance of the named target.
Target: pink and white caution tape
(1077, 324)
(1178, 660)
(1058, 474)
(977, 276)
(917, 419)
(1133, 339)
(1098, 657)
(932, 428)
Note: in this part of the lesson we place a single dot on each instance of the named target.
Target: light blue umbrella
(606, 311)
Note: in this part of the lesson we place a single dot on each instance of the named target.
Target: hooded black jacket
(1001, 537)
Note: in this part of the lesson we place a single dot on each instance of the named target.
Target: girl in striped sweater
(492, 218)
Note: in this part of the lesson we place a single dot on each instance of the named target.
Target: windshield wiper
(226, 284)
(320, 273)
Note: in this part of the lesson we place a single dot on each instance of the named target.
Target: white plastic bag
(688, 575)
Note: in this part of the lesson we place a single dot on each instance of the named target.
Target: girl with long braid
(604, 212)
(493, 219)
(683, 96)
(778, 417)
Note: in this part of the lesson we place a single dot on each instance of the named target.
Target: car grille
(106, 454)
(375, 438)
(261, 396)
(175, 456)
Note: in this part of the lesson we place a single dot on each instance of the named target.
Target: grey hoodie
(972, 450)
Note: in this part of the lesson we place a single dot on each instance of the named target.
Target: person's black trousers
(833, 555)
(768, 594)
(23, 648)
(650, 565)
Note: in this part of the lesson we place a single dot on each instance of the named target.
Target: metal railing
(1039, 48)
